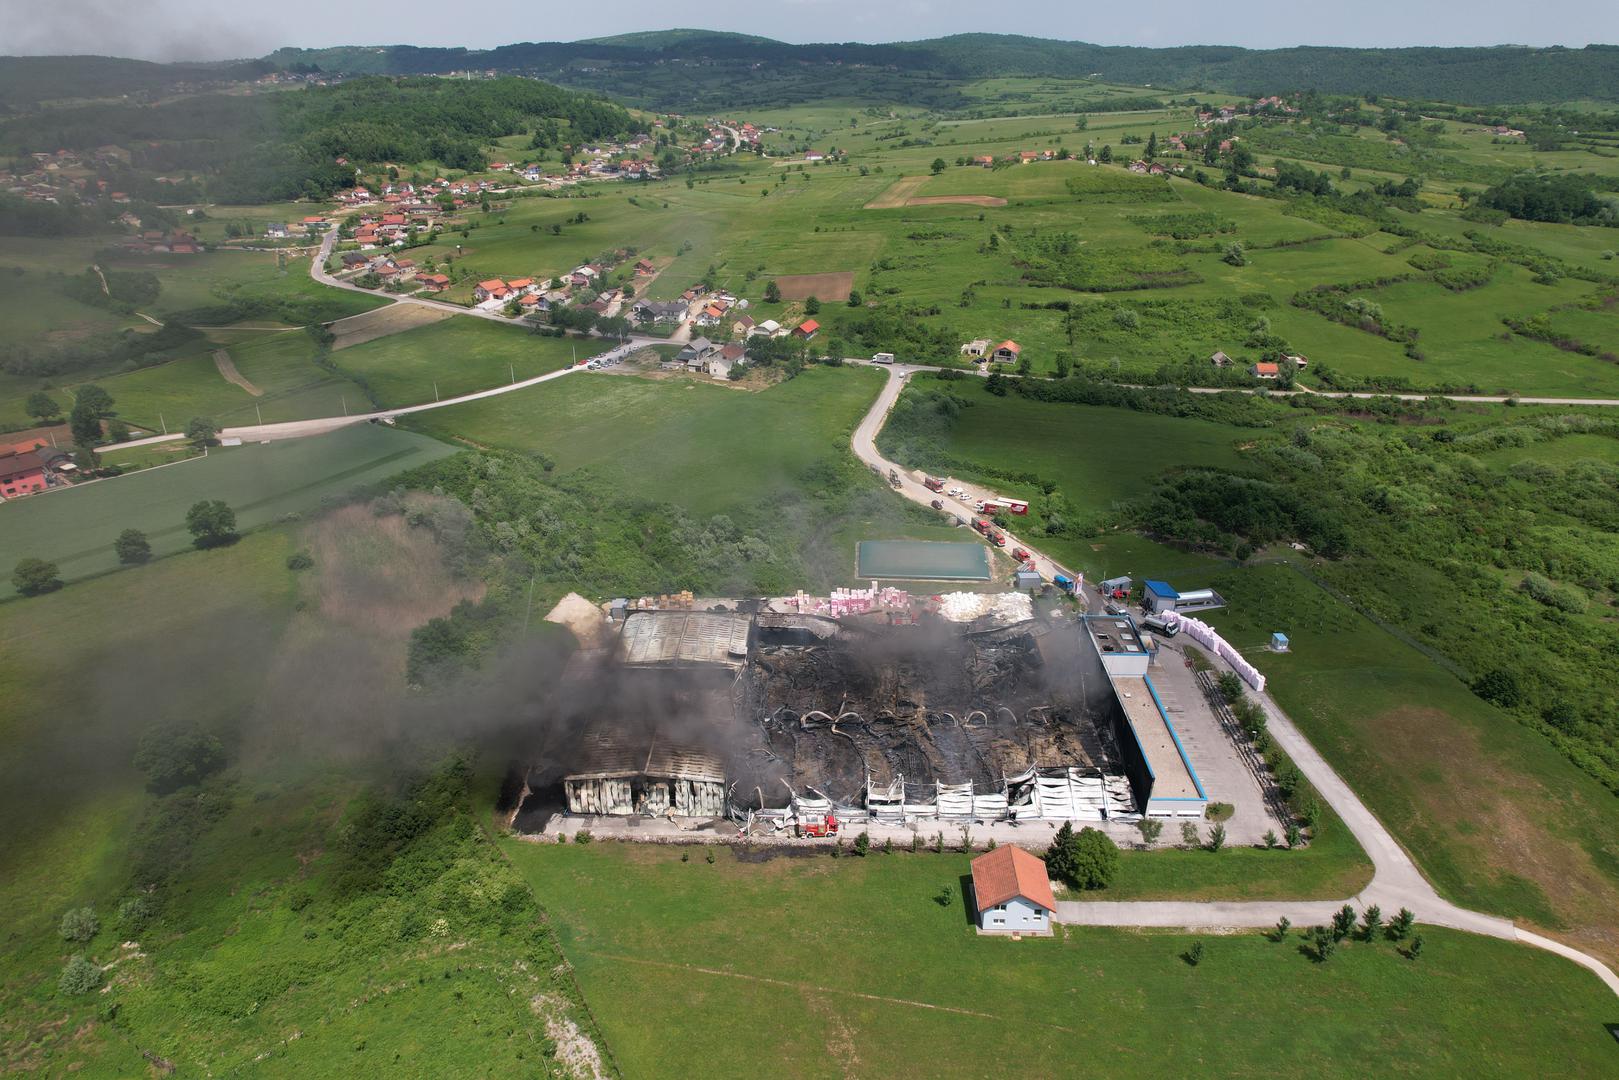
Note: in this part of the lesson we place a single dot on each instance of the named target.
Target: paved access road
(1396, 882)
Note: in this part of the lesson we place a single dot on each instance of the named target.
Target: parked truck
(933, 483)
(981, 526)
(997, 537)
(883, 358)
(1063, 582)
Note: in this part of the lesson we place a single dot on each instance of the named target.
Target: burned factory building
(871, 706)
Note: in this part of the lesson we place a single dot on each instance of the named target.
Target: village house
(727, 357)
(1007, 352)
(976, 348)
(353, 260)
(658, 311)
(986, 160)
(743, 326)
(433, 282)
(494, 288)
(643, 267)
(768, 328)
(276, 230)
(1012, 892)
(1265, 369)
(814, 155)
(806, 329)
(696, 353)
(1299, 362)
(21, 474)
(1220, 359)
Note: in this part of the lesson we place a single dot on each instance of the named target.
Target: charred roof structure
(892, 713)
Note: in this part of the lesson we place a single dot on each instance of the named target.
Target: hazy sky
(208, 29)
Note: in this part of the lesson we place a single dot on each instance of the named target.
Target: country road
(1396, 881)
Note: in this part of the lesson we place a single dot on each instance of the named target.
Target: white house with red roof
(1012, 892)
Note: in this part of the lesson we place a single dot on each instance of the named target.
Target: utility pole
(164, 426)
(513, 369)
(259, 412)
(345, 405)
(530, 609)
(435, 389)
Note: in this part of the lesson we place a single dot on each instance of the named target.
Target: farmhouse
(1220, 359)
(1012, 893)
(986, 160)
(657, 311)
(1265, 369)
(806, 329)
(695, 354)
(494, 288)
(1007, 352)
(976, 348)
(433, 282)
(721, 362)
(21, 474)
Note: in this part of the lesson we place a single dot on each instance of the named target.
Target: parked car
(937, 505)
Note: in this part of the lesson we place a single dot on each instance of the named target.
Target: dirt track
(902, 193)
(966, 200)
(228, 372)
(897, 194)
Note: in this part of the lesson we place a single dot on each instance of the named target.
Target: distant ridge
(699, 69)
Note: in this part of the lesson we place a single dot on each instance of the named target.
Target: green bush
(79, 976)
(176, 754)
(80, 924)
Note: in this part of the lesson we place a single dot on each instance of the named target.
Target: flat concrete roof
(1172, 777)
(1114, 634)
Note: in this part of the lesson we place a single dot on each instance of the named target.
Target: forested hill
(269, 147)
(676, 68)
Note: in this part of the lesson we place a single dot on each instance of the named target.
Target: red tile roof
(491, 285)
(1009, 346)
(1008, 872)
(808, 327)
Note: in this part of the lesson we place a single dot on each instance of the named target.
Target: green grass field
(818, 967)
(75, 528)
(1497, 818)
(711, 448)
(456, 356)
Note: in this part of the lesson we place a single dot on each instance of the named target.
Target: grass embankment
(1496, 817)
(815, 967)
(775, 463)
(75, 528)
(296, 926)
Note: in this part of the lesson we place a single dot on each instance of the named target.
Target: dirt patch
(228, 372)
(582, 618)
(50, 435)
(393, 319)
(897, 193)
(830, 286)
(964, 200)
(576, 1052)
(1497, 819)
